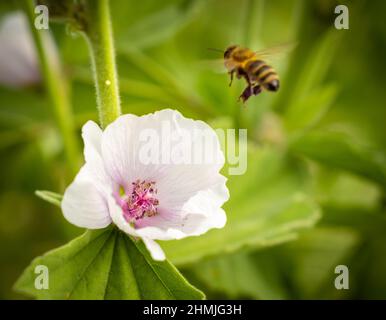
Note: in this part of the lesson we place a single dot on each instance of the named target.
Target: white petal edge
(92, 139)
(155, 249)
(116, 215)
(83, 204)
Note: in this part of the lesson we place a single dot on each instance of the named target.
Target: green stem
(56, 87)
(99, 35)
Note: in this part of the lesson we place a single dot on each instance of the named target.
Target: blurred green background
(314, 193)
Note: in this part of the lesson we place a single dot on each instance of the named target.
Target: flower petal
(117, 217)
(193, 216)
(83, 204)
(122, 145)
(118, 149)
(190, 194)
(202, 216)
(123, 141)
(155, 250)
(92, 138)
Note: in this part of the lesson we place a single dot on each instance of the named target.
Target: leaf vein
(88, 266)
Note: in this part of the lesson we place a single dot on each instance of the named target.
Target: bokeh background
(314, 193)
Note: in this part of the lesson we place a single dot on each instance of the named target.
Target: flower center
(141, 202)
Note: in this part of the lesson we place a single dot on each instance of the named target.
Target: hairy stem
(56, 86)
(99, 35)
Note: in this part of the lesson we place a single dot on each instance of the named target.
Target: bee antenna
(214, 49)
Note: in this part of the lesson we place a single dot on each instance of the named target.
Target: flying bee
(247, 64)
(252, 66)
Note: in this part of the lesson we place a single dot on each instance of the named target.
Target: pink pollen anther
(141, 202)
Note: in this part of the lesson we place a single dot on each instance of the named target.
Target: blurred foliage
(317, 146)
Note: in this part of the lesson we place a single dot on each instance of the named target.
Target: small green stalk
(99, 35)
(56, 87)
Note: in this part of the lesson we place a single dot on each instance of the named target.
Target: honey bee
(252, 66)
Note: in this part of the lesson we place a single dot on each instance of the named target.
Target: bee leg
(231, 74)
(249, 91)
(250, 86)
(239, 73)
(256, 90)
(245, 95)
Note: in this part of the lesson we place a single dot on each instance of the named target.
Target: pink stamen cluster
(141, 202)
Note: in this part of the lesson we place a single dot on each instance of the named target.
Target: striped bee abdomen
(264, 74)
(255, 67)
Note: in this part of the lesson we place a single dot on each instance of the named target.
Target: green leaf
(240, 275)
(307, 112)
(267, 206)
(106, 264)
(342, 189)
(315, 256)
(313, 67)
(49, 196)
(338, 150)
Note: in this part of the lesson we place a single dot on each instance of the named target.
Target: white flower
(18, 60)
(154, 200)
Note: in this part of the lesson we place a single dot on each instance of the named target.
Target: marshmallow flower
(152, 177)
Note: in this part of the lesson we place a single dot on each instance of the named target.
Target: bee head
(228, 51)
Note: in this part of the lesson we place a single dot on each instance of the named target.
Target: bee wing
(216, 65)
(276, 51)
